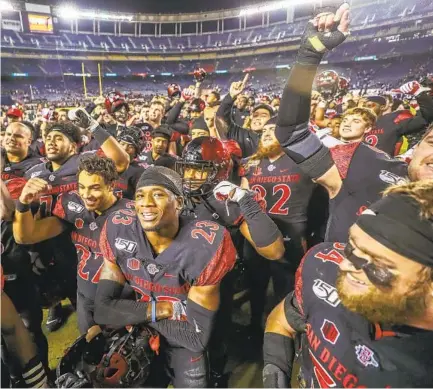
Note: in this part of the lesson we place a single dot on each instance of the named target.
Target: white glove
(225, 191)
(413, 88)
(179, 311)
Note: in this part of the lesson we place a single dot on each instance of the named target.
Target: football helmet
(133, 136)
(114, 101)
(197, 105)
(174, 90)
(327, 83)
(205, 154)
(118, 359)
(199, 74)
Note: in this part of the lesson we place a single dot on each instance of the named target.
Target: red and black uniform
(20, 286)
(389, 129)
(200, 255)
(287, 193)
(86, 229)
(366, 172)
(146, 159)
(341, 348)
(13, 170)
(58, 255)
(127, 182)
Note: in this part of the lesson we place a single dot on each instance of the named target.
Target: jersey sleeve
(218, 247)
(316, 278)
(107, 239)
(61, 208)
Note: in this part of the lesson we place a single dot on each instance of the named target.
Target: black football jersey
(227, 214)
(127, 183)
(13, 170)
(388, 131)
(341, 348)
(366, 173)
(200, 255)
(86, 229)
(286, 190)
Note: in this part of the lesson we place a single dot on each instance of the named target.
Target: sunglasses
(378, 275)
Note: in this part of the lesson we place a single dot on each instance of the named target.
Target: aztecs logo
(133, 263)
(326, 292)
(366, 356)
(152, 269)
(329, 331)
(75, 207)
(93, 226)
(79, 223)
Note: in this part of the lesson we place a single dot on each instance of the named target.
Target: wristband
(153, 311)
(100, 135)
(21, 207)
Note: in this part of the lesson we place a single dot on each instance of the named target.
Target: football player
(364, 308)
(391, 126)
(18, 157)
(174, 264)
(131, 139)
(248, 139)
(160, 140)
(60, 171)
(351, 184)
(19, 285)
(287, 192)
(82, 214)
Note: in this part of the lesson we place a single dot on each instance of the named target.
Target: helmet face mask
(197, 187)
(205, 155)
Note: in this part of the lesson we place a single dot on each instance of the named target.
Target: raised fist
(33, 189)
(226, 191)
(413, 88)
(188, 94)
(323, 33)
(81, 118)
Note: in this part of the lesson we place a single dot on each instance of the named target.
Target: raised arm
(109, 144)
(27, 228)
(325, 32)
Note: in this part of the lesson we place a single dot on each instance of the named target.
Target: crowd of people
(145, 215)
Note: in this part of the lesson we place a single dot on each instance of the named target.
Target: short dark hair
(69, 129)
(216, 94)
(101, 166)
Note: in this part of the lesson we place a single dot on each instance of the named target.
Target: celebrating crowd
(143, 214)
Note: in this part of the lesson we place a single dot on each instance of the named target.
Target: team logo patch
(74, 207)
(125, 245)
(271, 168)
(133, 263)
(7, 168)
(52, 177)
(330, 331)
(93, 226)
(366, 356)
(152, 269)
(79, 223)
(35, 174)
(326, 292)
(390, 178)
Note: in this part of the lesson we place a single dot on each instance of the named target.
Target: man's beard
(268, 151)
(385, 307)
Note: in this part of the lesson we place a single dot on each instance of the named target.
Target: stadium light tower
(68, 12)
(6, 6)
(276, 5)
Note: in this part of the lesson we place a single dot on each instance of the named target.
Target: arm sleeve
(425, 102)
(174, 113)
(181, 127)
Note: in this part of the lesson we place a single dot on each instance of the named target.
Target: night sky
(153, 6)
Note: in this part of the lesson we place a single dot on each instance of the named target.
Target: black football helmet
(206, 154)
(118, 359)
(133, 136)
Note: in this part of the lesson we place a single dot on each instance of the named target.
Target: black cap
(162, 131)
(264, 106)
